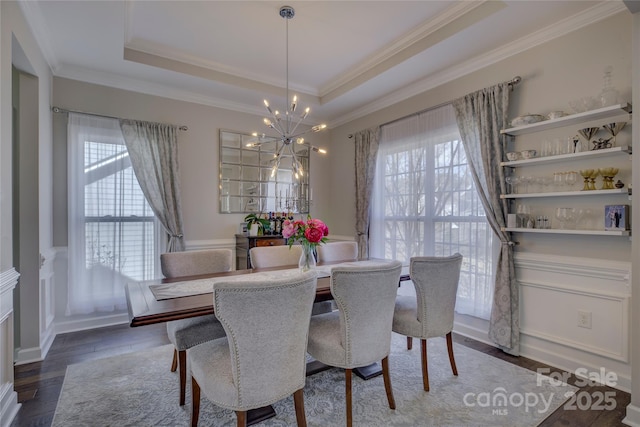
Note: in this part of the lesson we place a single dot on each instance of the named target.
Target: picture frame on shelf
(616, 217)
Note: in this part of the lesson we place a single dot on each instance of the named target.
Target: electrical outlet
(584, 319)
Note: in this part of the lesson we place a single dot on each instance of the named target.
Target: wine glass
(525, 180)
(513, 182)
(571, 178)
(564, 216)
(523, 211)
(558, 180)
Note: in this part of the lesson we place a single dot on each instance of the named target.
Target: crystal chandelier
(286, 126)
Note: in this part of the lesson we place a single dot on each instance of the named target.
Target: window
(424, 203)
(113, 234)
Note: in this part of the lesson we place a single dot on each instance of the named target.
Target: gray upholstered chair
(262, 359)
(274, 256)
(338, 251)
(282, 256)
(359, 332)
(430, 313)
(185, 333)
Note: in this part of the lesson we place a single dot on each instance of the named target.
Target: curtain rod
(514, 81)
(63, 110)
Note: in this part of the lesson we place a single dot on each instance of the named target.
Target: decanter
(608, 95)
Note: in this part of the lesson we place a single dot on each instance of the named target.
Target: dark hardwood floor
(39, 384)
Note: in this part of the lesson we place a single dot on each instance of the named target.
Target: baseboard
(9, 405)
(572, 362)
(633, 416)
(74, 325)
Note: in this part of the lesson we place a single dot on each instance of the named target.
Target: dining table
(163, 300)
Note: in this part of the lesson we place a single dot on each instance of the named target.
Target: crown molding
(590, 16)
(598, 12)
(420, 33)
(40, 30)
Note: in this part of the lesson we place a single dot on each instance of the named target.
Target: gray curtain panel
(480, 116)
(366, 147)
(153, 149)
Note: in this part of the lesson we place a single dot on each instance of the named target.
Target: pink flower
(311, 232)
(314, 235)
(288, 230)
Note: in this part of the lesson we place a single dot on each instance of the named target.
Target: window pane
(425, 203)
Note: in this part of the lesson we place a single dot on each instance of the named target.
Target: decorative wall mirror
(246, 184)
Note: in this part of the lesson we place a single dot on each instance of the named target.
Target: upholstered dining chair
(282, 256)
(338, 251)
(262, 359)
(430, 313)
(185, 333)
(274, 256)
(359, 332)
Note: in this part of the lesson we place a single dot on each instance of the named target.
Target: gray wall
(197, 150)
(553, 74)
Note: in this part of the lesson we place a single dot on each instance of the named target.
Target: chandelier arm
(296, 125)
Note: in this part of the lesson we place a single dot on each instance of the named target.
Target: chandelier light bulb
(300, 141)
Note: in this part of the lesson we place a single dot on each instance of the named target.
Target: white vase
(253, 230)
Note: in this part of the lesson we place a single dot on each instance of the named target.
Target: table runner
(163, 291)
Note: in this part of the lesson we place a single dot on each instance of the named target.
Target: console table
(244, 243)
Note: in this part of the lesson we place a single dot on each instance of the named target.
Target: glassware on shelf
(608, 175)
(513, 182)
(586, 175)
(571, 178)
(588, 133)
(523, 215)
(614, 129)
(524, 182)
(608, 95)
(592, 179)
(565, 217)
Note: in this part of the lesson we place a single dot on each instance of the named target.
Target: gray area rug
(138, 389)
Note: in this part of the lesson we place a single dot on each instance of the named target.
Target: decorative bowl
(513, 155)
(528, 154)
(556, 115)
(527, 119)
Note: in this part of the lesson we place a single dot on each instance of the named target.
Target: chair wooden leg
(182, 359)
(347, 381)
(241, 416)
(387, 382)
(195, 402)
(409, 343)
(298, 400)
(450, 349)
(425, 370)
(174, 362)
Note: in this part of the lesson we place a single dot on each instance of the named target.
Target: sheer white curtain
(112, 231)
(424, 203)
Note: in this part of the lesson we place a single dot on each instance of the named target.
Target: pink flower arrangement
(311, 232)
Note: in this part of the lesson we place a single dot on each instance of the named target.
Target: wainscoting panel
(575, 313)
(8, 397)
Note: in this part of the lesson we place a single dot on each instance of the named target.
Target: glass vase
(307, 259)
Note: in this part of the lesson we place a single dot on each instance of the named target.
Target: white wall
(19, 48)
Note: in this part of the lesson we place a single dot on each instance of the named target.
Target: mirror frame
(245, 184)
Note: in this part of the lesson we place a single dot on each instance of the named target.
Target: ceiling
(346, 58)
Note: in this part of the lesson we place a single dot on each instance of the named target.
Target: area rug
(138, 389)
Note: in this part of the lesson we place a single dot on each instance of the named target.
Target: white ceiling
(346, 58)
